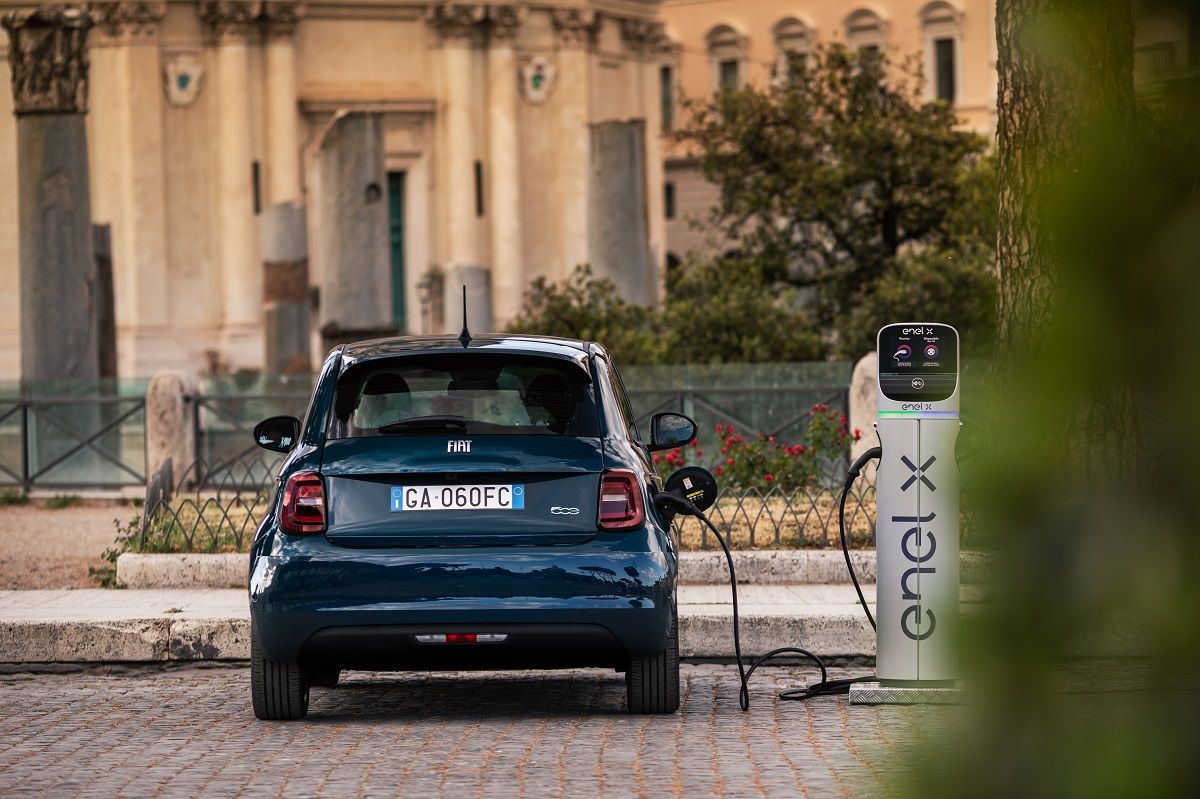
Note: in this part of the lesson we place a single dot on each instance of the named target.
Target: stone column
(459, 29)
(576, 30)
(170, 423)
(48, 59)
(232, 23)
(647, 41)
(504, 173)
(280, 18)
(286, 306)
(128, 171)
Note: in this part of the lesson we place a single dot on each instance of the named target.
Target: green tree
(957, 287)
(709, 318)
(588, 307)
(826, 177)
(722, 312)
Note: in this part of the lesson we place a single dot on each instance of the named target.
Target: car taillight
(303, 504)
(620, 501)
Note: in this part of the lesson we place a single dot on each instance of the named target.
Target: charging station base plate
(872, 693)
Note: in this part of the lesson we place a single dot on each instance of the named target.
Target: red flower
(729, 461)
(657, 459)
(720, 427)
(720, 471)
(771, 439)
(843, 420)
(857, 434)
(768, 477)
(699, 453)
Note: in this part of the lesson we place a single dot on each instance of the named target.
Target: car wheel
(652, 683)
(324, 678)
(279, 687)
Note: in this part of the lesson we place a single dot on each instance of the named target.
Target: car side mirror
(278, 434)
(670, 430)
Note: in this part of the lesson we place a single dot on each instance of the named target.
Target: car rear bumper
(559, 606)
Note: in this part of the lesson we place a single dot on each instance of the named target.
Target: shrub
(763, 462)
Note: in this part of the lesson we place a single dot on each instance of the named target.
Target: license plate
(458, 497)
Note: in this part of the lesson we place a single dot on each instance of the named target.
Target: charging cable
(826, 686)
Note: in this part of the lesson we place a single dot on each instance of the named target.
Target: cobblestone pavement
(191, 732)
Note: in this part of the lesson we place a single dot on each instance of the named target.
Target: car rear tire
(279, 688)
(652, 683)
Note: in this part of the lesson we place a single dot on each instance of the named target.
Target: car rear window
(476, 395)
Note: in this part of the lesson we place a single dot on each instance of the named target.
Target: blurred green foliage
(1083, 660)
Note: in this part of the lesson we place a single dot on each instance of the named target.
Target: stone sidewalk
(96, 625)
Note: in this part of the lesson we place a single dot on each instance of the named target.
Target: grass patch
(191, 525)
(13, 496)
(60, 501)
(797, 521)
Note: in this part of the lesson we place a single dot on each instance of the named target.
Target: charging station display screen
(918, 362)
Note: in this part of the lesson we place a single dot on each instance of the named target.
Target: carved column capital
(280, 17)
(503, 20)
(230, 19)
(457, 20)
(127, 19)
(647, 38)
(47, 54)
(575, 27)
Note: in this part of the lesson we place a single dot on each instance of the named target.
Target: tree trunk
(1065, 253)
(1065, 71)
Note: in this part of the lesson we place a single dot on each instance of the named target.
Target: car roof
(573, 350)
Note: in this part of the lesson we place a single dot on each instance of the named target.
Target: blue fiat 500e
(465, 503)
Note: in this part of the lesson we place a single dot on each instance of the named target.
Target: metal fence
(217, 507)
(209, 507)
(75, 441)
(808, 518)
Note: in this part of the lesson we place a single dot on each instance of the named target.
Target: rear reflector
(303, 507)
(620, 501)
(461, 638)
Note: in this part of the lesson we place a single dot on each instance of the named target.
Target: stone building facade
(275, 170)
(733, 42)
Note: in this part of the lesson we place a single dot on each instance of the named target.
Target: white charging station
(916, 523)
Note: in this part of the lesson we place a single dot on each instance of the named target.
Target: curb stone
(754, 567)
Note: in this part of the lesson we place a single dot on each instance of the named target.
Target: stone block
(209, 639)
(478, 282)
(863, 406)
(170, 422)
(183, 570)
(618, 236)
(352, 241)
(36, 641)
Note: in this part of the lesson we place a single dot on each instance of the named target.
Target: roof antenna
(465, 336)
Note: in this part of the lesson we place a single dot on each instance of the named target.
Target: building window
(479, 188)
(730, 74)
(726, 50)
(941, 23)
(793, 41)
(666, 90)
(866, 32)
(669, 200)
(943, 51)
